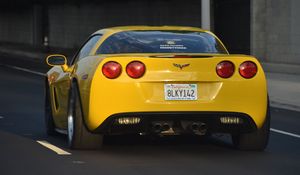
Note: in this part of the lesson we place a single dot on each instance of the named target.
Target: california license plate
(181, 92)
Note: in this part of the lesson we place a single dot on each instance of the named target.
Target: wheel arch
(75, 84)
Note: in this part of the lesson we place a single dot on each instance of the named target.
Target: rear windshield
(160, 42)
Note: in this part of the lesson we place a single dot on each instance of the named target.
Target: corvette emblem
(181, 66)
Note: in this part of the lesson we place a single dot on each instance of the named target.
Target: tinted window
(160, 42)
(88, 46)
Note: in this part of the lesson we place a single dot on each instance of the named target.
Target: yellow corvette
(156, 80)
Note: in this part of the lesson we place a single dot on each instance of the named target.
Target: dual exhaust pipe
(160, 127)
(197, 128)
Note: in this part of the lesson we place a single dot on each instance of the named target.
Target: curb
(281, 68)
(284, 106)
(36, 57)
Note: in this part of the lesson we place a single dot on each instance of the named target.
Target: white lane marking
(53, 148)
(285, 133)
(25, 70)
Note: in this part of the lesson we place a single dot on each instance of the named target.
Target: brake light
(135, 69)
(111, 69)
(248, 69)
(225, 69)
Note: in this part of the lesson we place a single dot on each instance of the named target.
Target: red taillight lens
(135, 69)
(111, 69)
(225, 69)
(248, 69)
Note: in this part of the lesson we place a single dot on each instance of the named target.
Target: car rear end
(177, 94)
(174, 81)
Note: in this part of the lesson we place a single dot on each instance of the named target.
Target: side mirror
(58, 60)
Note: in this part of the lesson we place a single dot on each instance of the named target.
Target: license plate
(181, 92)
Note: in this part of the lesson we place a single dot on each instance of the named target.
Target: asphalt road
(22, 125)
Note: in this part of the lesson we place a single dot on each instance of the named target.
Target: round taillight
(111, 69)
(225, 69)
(248, 69)
(135, 69)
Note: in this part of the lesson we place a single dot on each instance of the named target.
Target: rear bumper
(178, 120)
(106, 98)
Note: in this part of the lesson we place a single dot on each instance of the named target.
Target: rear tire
(49, 122)
(257, 140)
(78, 135)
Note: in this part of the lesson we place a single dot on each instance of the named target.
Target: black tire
(49, 122)
(257, 140)
(80, 138)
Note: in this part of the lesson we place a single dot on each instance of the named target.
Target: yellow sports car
(156, 80)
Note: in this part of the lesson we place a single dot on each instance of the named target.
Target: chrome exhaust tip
(157, 127)
(198, 128)
(165, 127)
(195, 126)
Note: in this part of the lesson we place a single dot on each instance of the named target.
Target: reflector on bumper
(128, 120)
(231, 120)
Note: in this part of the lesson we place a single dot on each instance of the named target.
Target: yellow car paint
(102, 97)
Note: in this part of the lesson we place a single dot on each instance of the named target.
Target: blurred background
(268, 29)
(32, 29)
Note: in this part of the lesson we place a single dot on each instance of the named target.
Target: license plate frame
(181, 92)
